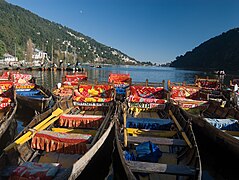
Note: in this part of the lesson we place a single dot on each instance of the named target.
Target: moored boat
(96, 94)
(220, 126)
(70, 82)
(74, 79)
(64, 142)
(121, 83)
(8, 107)
(31, 95)
(153, 139)
(195, 97)
(187, 96)
(212, 88)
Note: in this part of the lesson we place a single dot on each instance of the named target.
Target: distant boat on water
(222, 72)
(96, 66)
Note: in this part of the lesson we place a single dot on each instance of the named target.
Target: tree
(29, 50)
(2, 48)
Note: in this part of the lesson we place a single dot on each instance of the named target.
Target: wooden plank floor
(66, 160)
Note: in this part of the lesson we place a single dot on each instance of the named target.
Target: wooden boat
(8, 106)
(195, 97)
(38, 98)
(65, 142)
(69, 83)
(187, 96)
(31, 95)
(154, 141)
(121, 83)
(74, 79)
(93, 93)
(212, 88)
(220, 126)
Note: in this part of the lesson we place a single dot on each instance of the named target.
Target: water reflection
(49, 79)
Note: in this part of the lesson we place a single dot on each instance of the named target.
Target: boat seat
(149, 123)
(77, 131)
(155, 133)
(68, 143)
(147, 167)
(33, 170)
(157, 140)
(81, 121)
(66, 160)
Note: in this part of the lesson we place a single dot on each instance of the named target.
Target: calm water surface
(213, 168)
(153, 74)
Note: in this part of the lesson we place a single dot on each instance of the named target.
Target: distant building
(39, 55)
(8, 58)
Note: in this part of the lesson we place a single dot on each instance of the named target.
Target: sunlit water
(154, 74)
(49, 79)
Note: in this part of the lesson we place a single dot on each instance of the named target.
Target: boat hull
(7, 122)
(190, 157)
(36, 104)
(223, 141)
(95, 161)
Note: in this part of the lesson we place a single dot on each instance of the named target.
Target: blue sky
(148, 30)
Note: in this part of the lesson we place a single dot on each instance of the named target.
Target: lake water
(211, 170)
(138, 74)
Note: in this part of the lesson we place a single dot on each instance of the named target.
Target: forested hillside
(220, 52)
(18, 25)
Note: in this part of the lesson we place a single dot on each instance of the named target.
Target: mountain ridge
(219, 52)
(17, 25)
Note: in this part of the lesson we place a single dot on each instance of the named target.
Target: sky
(147, 30)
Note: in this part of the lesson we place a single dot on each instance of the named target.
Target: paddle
(180, 129)
(125, 121)
(33, 131)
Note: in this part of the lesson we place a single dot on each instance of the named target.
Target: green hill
(18, 25)
(220, 52)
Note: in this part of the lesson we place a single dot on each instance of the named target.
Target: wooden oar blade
(28, 135)
(57, 112)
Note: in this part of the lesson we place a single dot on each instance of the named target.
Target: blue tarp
(120, 90)
(40, 96)
(147, 151)
(129, 156)
(28, 93)
(224, 124)
(149, 123)
(33, 93)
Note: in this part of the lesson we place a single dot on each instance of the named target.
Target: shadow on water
(23, 117)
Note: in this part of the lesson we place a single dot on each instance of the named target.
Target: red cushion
(32, 170)
(61, 142)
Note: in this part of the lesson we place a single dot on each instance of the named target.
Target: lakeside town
(41, 61)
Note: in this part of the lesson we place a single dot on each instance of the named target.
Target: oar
(45, 126)
(185, 137)
(38, 127)
(125, 129)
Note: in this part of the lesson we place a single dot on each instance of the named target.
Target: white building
(39, 55)
(7, 58)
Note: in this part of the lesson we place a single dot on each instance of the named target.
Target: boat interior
(171, 142)
(56, 143)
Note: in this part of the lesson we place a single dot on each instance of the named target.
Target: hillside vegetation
(220, 52)
(18, 25)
